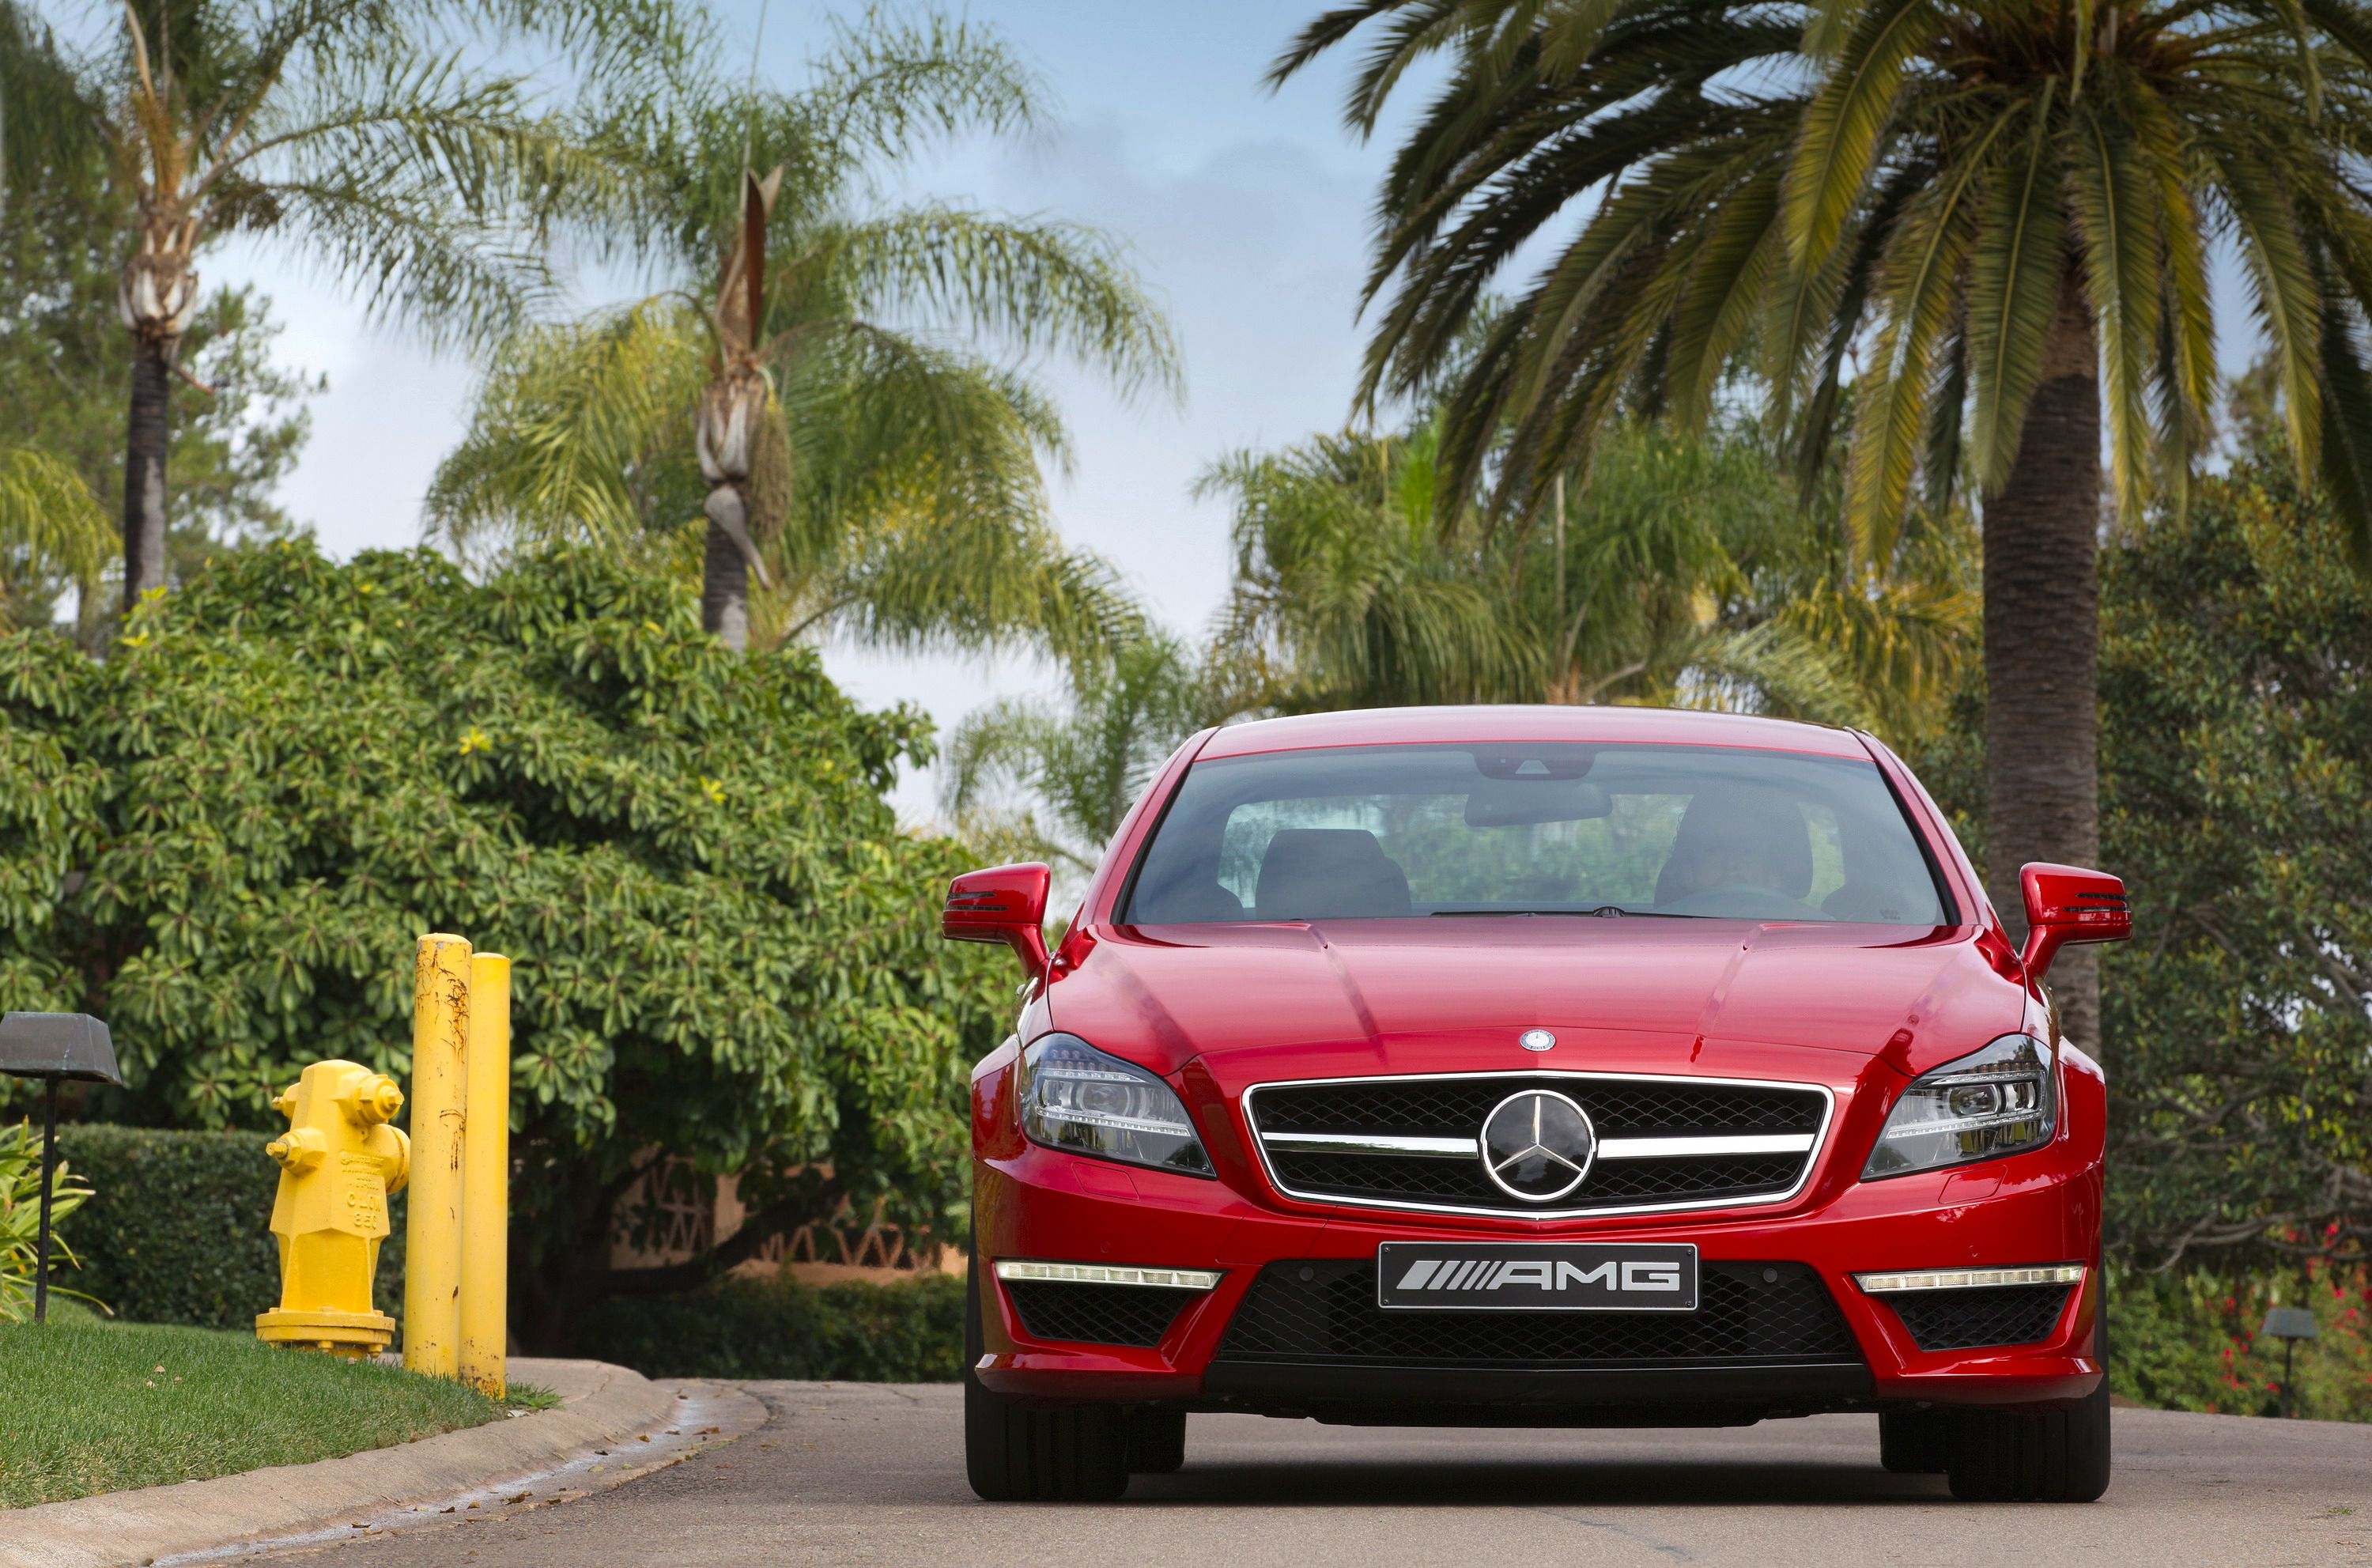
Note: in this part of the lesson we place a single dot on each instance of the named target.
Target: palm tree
(819, 399)
(350, 129)
(1083, 764)
(2001, 212)
(1676, 569)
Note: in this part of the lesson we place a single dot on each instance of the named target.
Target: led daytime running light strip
(1969, 1279)
(2003, 1119)
(1109, 1274)
(1120, 1123)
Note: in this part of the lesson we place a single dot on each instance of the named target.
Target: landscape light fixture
(2289, 1325)
(54, 1046)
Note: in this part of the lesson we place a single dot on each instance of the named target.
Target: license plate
(1537, 1276)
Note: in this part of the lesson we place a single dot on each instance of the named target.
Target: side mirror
(2068, 903)
(1003, 903)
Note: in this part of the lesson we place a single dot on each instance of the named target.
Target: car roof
(1454, 726)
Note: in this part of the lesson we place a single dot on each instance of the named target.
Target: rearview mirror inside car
(1520, 802)
(1003, 903)
(2070, 904)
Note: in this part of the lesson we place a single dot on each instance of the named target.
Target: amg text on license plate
(1537, 1276)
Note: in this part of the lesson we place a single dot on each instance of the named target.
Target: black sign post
(52, 1047)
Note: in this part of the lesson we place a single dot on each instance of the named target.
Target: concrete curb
(552, 1452)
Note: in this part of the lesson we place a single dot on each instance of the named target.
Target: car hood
(1380, 995)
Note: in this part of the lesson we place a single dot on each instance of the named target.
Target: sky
(1245, 214)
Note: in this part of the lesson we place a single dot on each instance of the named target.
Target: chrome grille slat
(1607, 1148)
(1412, 1141)
(1375, 1143)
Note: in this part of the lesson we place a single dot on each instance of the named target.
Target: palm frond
(571, 432)
(2346, 466)
(50, 522)
(2014, 292)
(1843, 122)
(892, 83)
(2117, 219)
(2281, 273)
(1038, 284)
(1919, 281)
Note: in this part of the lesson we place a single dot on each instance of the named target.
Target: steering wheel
(1734, 901)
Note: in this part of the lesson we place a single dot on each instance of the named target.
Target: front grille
(1974, 1319)
(1324, 1310)
(1621, 1109)
(1096, 1314)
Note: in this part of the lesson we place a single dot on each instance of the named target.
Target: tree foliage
(238, 422)
(2237, 768)
(896, 489)
(356, 133)
(1682, 572)
(226, 838)
(359, 133)
(1679, 569)
(1909, 187)
(1034, 780)
(2235, 724)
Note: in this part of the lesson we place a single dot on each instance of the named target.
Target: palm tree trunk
(2041, 621)
(147, 435)
(725, 571)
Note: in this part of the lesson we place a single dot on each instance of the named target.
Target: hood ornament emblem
(1537, 1145)
(1536, 1040)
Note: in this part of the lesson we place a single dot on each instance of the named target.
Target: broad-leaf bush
(2236, 766)
(2237, 761)
(226, 837)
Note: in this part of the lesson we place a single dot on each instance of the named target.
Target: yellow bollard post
(440, 1048)
(486, 1177)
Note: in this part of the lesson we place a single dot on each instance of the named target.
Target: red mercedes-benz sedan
(1548, 1066)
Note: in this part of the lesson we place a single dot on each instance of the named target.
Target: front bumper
(2032, 1209)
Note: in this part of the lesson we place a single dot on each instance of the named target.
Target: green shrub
(178, 1227)
(2236, 776)
(226, 837)
(2188, 1340)
(20, 1217)
(778, 1328)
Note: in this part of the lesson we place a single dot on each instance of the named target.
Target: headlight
(1075, 1098)
(1998, 1101)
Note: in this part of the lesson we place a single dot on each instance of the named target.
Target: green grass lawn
(88, 1406)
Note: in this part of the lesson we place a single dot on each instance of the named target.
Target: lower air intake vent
(1326, 1311)
(1096, 1314)
(1973, 1319)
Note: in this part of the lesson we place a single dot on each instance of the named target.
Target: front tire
(2046, 1457)
(1156, 1442)
(1017, 1453)
(1914, 1442)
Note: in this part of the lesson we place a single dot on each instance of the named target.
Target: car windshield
(1396, 832)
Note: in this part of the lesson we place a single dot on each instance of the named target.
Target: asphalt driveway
(858, 1473)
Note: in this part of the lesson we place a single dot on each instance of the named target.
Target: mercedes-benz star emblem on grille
(1537, 1145)
(1536, 1040)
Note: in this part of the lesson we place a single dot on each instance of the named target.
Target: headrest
(1327, 874)
(1727, 823)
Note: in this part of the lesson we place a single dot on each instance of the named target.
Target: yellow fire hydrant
(339, 1162)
